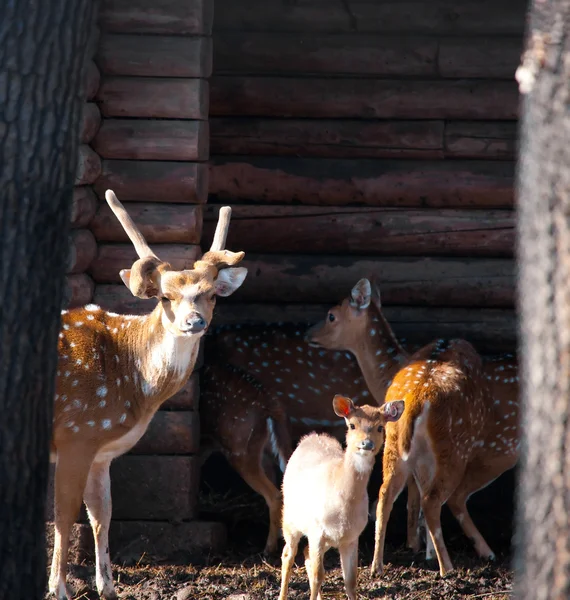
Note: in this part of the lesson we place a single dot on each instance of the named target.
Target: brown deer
(457, 433)
(115, 371)
(325, 494)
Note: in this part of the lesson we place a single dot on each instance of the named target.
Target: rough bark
(543, 540)
(42, 48)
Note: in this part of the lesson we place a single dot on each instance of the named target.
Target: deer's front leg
(97, 498)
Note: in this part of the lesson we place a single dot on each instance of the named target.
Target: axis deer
(115, 371)
(457, 435)
(325, 496)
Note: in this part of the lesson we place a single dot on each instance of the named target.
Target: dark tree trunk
(42, 49)
(543, 538)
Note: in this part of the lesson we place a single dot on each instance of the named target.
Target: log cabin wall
(357, 137)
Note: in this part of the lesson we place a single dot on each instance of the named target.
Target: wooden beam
(188, 397)
(157, 16)
(111, 258)
(154, 181)
(155, 55)
(83, 207)
(473, 139)
(82, 250)
(363, 98)
(92, 80)
(362, 230)
(141, 139)
(90, 122)
(170, 433)
(327, 138)
(88, 166)
(269, 180)
(78, 290)
(350, 54)
(159, 223)
(153, 97)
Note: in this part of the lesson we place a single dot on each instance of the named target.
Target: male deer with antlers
(115, 371)
(456, 436)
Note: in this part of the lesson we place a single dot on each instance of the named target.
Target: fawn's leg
(287, 559)
(349, 564)
(71, 471)
(314, 554)
(97, 498)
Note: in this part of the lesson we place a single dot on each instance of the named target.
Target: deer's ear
(360, 295)
(392, 411)
(125, 275)
(229, 280)
(143, 278)
(343, 406)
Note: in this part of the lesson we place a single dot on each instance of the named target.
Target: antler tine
(136, 237)
(219, 241)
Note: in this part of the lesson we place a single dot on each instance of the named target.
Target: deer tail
(408, 424)
(279, 438)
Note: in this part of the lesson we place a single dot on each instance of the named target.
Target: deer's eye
(165, 299)
(352, 426)
(331, 317)
(380, 428)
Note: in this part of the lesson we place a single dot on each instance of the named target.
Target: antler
(136, 237)
(219, 241)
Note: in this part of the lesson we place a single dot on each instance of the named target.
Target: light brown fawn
(115, 371)
(457, 434)
(325, 495)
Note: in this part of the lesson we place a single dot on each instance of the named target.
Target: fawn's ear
(360, 295)
(343, 406)
(392, 411)
(229, 280)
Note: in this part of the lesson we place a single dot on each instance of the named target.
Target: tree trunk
(42, 49)
(543, 505)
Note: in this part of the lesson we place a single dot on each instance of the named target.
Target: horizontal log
(490, 330)
(111, 258)
(83, 206)
(117, 298)
(82, 250)
(140, 139)
(90, 122)
(330, 182)
(188, 397)
(155, 55)
(363, 230)
(88, 166)
(486, 17)
(153, 97)
(149, 16)
(349, 54)
(473, 139)
(362, 98)
(92, 80)
(154, 181)
(78, 290)
(327, 138)
(159, 223)
(171, 433)
(406, 281)
(480, 57)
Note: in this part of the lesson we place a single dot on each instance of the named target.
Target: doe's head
(365, 434)
(188, 297)
(345, 323)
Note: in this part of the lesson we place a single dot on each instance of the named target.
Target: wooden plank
(118, 298)
(473, 139)
(155, 55)
(405, 281)
(91, 81)
(140, 139)
(82, 250)
(111, 258)
(83, 207)
(170, 433)
(362, 98)
(480, 57)
(327, 138)
(268, 180)
(349, 54)
(159, 223)
(363, 230)
(78, 290)
(157, 16)
(485, 17)
(88, 166)
(154, 181)
(188, 397)
(491, 330)
(90, 122)
(153, 97)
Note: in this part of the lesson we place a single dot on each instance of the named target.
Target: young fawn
(115, 371)
(325, 494)
(457, 434)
